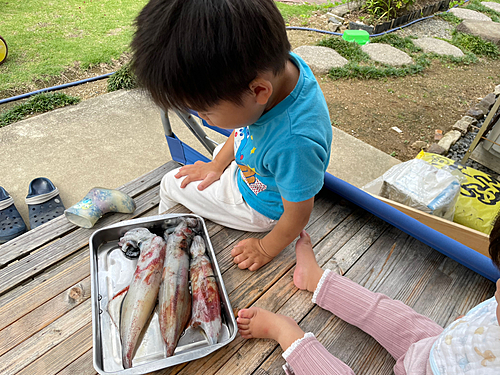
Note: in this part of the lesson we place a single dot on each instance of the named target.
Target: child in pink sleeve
(412, 339)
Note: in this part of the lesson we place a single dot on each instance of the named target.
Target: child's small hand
(250, 254)
(206, 172)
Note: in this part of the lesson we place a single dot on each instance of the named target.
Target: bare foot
(307, 271)
(257, 323)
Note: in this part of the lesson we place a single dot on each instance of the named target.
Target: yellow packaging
(479, 201)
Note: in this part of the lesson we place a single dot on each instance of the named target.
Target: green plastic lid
(359, 36)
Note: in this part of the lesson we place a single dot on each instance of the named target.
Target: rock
(482, 107)
(491, 5)
(343, 9)
(467, 14)
(438, 46)
(475, 113)
(470, 120)
(337, 17)
(497, 90)
(488, 101)
(361, 26)
(387, 54)
(320, 59)
(334, 21)
(449, 138)
(419, 145)
(489, 31)
(462, 126)
(333, 26)
(436, 149)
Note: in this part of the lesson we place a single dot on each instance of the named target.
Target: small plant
(348, 50)
(398, 42)
(387, 9)
(449, 17)
(479, 7)
(123, 78)
(36, 104)
(475, 44)
(394, 154)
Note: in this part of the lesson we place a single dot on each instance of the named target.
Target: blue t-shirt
(286, 152)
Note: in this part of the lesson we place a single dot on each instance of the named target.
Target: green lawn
(46, 37)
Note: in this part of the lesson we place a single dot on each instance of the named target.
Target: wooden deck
(45, 306)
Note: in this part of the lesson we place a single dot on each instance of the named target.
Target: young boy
(230, 61)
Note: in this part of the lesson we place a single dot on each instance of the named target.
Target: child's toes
(246, 314)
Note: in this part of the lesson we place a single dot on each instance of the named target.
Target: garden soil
(370, 110)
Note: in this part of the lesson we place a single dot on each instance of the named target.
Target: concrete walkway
(116, 137)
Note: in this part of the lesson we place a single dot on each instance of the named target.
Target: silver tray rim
(167, 362)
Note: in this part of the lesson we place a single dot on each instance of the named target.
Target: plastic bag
(420, 185)
(479, 201)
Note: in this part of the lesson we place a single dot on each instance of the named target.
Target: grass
(122, 79)
(46, 37)
(476, 45)
(303, 10)
(360, 66)
(478, 7)
(36, 104)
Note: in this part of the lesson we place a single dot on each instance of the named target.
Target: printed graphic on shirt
(241, 138)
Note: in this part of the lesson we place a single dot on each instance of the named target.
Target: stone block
(386, 54)
(436, 149)
(497, 90)
(449, 139)
(462, 126)
(419, 145)
(320, 59)
(488, 101)
(489, 31)
(470, 120)
(475, 113)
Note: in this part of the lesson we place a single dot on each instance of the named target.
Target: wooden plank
(36, 285)
(472, 238)
(63, 354)
(36, 262)
(44, 288)
(59, 226)
(82, 365)
(44, 315)
(37, 345)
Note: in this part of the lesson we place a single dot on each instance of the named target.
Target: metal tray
(110, 272)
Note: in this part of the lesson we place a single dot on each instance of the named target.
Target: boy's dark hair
(196, 53)
(494, 246)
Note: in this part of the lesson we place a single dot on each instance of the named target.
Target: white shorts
(221, 202)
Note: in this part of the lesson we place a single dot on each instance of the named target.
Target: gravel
(431, 27)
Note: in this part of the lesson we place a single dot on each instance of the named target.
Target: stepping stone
(386, 54)
(320, 59)
(438, 46)
(467, 14)
(491, 5)
(489, 31)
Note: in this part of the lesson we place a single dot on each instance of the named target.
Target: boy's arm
(211, 171)
(253, 253)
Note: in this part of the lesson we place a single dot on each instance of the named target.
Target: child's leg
(393, 324)
(303, 353)
(220, 202)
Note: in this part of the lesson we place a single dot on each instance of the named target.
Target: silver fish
(174, 299)
(140, 299)
(206, 309)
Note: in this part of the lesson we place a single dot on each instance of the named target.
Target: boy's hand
(206, 172)
(250, 254)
